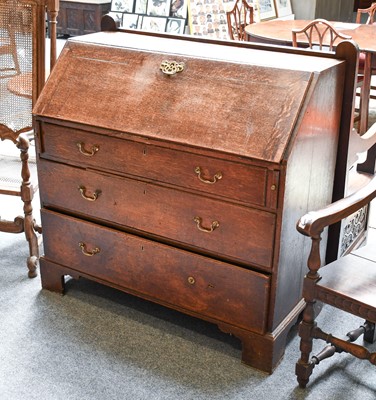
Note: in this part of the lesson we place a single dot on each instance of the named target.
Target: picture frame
(154, 23)
(130, 21)
(209, 19)
(179, 9)
(141, 6)
(175, 25)
(140, 20)
(283, 8)
(122, 6)
(158, 8)
(266, 9)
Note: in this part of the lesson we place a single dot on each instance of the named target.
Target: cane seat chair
(347, 284)
(238, 18)
(22, 53)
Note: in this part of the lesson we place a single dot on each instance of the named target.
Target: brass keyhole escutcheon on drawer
(214, 225)
(94, 197)
(215, 179)
(171, 67)
(87, 153)
(87, 253)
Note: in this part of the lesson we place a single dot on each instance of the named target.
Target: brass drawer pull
(216, 177)
(96, 250)
(94, 197)
(83, 151)
(214, 225)
(171, 67)
(191, 280)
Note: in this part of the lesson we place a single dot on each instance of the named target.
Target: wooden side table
(79, 17)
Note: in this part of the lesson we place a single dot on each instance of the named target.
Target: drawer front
(209, 175)
(236, 233)
(218, 290)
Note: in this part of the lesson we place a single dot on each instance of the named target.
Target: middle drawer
(215, 227)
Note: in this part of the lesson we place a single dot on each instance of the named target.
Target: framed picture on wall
(179, 8)
(266, 9)
(159, 8)
(208, 18)
(141, 6)
(283, 8)
(175, 25)
(122, 5)
(130, 21)
(154, 24)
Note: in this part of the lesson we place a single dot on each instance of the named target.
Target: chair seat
(353, 279)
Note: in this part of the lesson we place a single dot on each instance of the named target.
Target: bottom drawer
(175, 277)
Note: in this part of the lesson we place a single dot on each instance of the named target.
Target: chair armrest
(314, 222)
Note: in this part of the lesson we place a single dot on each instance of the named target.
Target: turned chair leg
(304, 367)
(370, 335)
(31, 237)
(27, 195)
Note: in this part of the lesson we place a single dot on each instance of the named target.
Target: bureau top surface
(243, 101)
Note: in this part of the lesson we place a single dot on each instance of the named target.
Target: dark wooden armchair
(238, 18)
(23, 38)
(348, 284)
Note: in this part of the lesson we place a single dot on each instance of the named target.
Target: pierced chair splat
(320, 34)
(371, 14)
(238, 18)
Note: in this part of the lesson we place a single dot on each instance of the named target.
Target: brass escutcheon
(171, 67)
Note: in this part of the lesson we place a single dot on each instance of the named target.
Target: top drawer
(239, 182)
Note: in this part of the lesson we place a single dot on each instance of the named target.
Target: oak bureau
(175, 170)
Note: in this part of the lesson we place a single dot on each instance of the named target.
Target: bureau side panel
(308, 184)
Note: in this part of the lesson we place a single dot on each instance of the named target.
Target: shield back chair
(371, 14)
(22, 76)
(238, 18)
(347, 284)
(319, 34)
